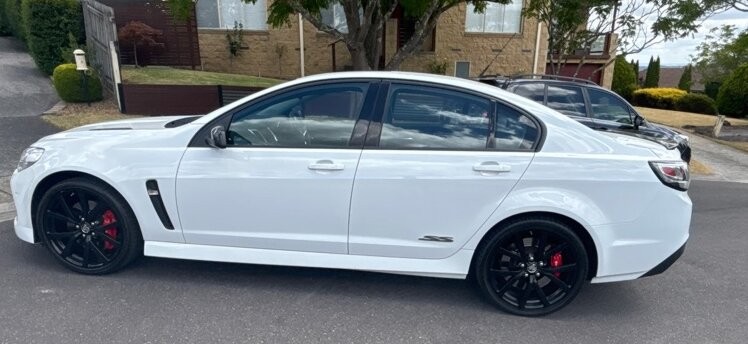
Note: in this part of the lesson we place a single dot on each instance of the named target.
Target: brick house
(467, 41)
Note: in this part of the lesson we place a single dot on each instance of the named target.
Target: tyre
(88, 227)
(531, 267)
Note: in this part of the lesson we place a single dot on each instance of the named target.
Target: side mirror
(217, 138)
(638, 121)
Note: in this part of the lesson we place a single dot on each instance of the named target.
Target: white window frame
(470, 11)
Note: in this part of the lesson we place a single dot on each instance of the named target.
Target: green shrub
(685, 81)
(48, 23)
(711, 89)
(698, 103)
(4, 29)
(732, 99)
(659, 98)
(68, 83)
(624, 78)
(12, 18)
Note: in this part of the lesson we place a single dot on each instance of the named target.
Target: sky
(677, 53)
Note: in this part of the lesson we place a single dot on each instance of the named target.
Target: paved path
(24, 90)
(700, 299)
(729, 164)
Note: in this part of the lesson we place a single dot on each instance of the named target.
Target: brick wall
(452, 44)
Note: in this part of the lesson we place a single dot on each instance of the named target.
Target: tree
(138, 33)
(721, 52)
(365, 22)
(625, 81)
(685, 79)
(575, 25)
(649, 77)
(733, 94)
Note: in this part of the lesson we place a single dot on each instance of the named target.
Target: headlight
(29, 156)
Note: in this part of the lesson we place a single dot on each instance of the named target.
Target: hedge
(732, 99)
(68, 83)
(698, 103)
(11, 17)
(48, 23)
(660, 98)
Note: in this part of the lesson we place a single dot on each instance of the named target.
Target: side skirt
(455, 266)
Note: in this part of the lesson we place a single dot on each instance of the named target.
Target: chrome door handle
(326, 165)
(492, 166)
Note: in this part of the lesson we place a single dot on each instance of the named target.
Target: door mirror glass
(638, 121)
(217, 138)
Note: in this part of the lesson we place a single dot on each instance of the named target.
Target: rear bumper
(660, 268)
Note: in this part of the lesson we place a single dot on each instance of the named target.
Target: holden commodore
(379, 171)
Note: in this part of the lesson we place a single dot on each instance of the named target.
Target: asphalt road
(701, 299)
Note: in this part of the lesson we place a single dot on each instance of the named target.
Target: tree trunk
(359, 58)
(135, 53)
(426, 23)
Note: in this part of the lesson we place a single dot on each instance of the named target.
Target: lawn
(173, 76)
(680, 119)
(76, 115)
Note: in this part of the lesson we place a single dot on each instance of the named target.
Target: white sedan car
(380, 171)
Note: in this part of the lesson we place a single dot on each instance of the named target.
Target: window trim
(361, 123)
(375, 127)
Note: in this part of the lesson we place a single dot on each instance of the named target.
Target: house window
(496, 18)
(222, 14)
(334, 17)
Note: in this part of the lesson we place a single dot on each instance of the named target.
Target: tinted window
(425, 117)
(567, 100)
(608, 107)
(513, 130)
(318, 116)
(533, 91)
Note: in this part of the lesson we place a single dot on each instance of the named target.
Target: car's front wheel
(88, 227)
(531, 267)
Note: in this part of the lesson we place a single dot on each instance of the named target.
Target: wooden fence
(100, 32)
(154, 100)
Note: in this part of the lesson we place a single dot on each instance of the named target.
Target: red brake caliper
(108, 219)
(556, 261)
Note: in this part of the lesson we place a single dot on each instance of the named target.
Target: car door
(437, 162)
(284, 181)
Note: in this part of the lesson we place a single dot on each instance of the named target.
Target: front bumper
(21, 188)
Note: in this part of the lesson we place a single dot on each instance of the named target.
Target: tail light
(672, 173)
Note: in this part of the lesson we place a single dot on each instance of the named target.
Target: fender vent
(158, 204)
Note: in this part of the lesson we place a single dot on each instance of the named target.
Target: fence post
(718, 125)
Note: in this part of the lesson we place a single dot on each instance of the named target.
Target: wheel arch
(54, 178)
(578, 228)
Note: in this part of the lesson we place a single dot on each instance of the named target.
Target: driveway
(728, 164)
(25, 92)
(700, 299)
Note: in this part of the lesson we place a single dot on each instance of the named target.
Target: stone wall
(512, 53)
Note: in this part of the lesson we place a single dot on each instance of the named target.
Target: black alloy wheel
(88, 227)
(532, 267)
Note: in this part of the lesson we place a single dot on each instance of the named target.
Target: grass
(76, 115)
(172, 76)
(680, 119)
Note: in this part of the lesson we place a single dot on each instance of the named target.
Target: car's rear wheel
(531, 267)
(88, 227)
